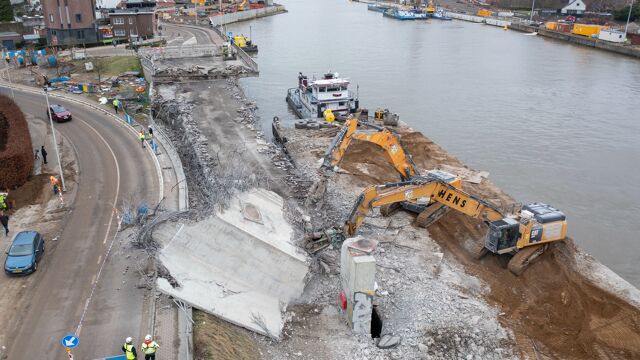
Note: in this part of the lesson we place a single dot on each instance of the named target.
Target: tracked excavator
(378, 135)
(525, 234)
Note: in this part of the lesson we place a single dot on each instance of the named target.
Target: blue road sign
(70, 341)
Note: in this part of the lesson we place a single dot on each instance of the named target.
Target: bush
(622, 14)
(16, 154)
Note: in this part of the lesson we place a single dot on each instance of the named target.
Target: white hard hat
(148, 337)
(129, 340)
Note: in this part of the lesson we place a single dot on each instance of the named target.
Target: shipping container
(564, 27)
(551, 25)
(612, 35)
(587, 29)
(484, 12)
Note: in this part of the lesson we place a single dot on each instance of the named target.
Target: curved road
(203, 36)
(112, 167)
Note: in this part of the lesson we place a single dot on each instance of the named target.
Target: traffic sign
(70, 341)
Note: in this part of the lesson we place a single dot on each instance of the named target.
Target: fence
(241, 53)
(246, 15)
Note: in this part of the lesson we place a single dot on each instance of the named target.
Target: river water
(550, 121)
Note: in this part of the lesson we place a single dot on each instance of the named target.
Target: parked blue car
(25, 252)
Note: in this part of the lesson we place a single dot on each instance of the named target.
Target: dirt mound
(554, 310)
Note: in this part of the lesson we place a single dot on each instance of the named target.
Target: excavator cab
(502, 234)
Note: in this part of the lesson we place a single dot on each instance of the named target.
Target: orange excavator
(525, 234)
(380, 136)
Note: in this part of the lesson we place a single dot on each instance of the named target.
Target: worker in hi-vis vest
(149, 348)
(129, 350)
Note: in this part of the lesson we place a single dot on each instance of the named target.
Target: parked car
(25, 253)
(59, 113)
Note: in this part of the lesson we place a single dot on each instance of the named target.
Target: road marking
(106, 236)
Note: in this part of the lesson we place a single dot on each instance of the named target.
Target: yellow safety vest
(129, 351)
(2, 204)
(116, 102)
(149, 349)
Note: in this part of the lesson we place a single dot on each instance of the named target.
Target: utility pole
(13, 95)
(628, 18)
(55, 143)
(531, 15)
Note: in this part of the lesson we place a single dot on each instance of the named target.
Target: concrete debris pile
(212, 179)
(238, 264)
(428, 307)
(201, 71)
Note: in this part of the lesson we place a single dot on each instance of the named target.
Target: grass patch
(116, 65)
(217, 339)
(110, 66)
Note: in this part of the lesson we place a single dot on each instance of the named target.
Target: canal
(550, 121)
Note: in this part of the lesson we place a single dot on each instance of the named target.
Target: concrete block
(357, 272)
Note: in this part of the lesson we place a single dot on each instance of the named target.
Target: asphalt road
(112, 167)
(203, 36)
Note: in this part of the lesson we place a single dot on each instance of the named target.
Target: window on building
(80, 34)
(78, 18)
(51, 18)
(118, 21)
(130, 20)
(119, 32)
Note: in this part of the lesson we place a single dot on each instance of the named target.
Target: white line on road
(115, 200)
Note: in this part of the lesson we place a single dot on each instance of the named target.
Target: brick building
(133, 23)
(70, 22)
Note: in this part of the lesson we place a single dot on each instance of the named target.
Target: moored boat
(440, 15)
(378, 8)
(312, 97)
(405, 14)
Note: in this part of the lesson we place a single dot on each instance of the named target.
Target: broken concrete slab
(239, 264)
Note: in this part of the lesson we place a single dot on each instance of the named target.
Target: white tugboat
(312, 97)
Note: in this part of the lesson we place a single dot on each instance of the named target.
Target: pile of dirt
(553, 310)
(216, 339)
(16, 157)
(4, 132)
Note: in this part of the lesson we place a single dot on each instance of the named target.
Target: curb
(120, 121)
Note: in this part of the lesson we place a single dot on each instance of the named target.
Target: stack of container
(564, 27)
(551, 25)
(589, 30)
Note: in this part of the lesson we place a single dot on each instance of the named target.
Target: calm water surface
(550, 121)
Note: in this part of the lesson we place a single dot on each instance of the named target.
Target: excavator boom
(531, 230)
(433, 187)
(380, 136)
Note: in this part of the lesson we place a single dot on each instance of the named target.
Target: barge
(312, 97)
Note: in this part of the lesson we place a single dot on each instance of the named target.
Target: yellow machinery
(525, 234)
(484, 12)
(241, 6)
(241, 41)
(329, 116)
(430, 8)
(380, 136)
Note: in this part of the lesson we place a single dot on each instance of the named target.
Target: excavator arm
(429, 188)
(380, 136)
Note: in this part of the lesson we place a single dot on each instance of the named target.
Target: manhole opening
(376, 323)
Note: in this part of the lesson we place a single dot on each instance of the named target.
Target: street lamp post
(628, 18)
(13, 96)
(531, 15)
(55, 143)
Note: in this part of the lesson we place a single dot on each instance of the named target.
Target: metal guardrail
(241, 53)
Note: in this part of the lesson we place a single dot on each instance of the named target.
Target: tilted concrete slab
(239, 264)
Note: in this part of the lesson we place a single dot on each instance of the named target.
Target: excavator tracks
(519, 262)
(431, 214)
